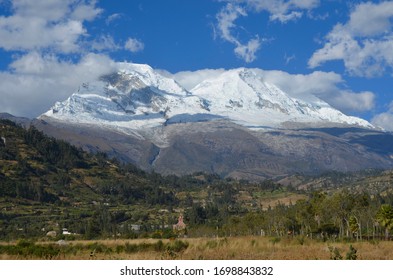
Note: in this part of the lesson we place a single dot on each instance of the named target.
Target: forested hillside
(47, 185)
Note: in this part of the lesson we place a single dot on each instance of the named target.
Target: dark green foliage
(385, 218)
(47, 184)
(56, 152)
(351, 254)
(196, 215)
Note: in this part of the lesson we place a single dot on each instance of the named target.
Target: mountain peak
(137, 96)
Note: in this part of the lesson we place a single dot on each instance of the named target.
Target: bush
(351, 254)
(119, 249)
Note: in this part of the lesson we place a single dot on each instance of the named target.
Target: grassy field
(238, 248)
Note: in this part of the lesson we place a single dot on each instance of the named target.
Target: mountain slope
(233, 124)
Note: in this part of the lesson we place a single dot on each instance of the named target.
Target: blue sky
(341, 51)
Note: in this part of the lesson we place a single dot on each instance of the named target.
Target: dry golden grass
(234, 248)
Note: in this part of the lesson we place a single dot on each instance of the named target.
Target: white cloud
(384, 120)
(349, 101)
(36, 82)
(286, 17)
(289, 58)
(113, 18)
(105, 42)
(247, 52)
(134, 45)
(41, 24)
(85, 11)
(226, 18)
(364, 43)
(328, 86)
(371, 19)
(279, 10)
(189, 79)
(40, 35)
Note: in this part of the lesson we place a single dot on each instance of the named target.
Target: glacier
(137, 97)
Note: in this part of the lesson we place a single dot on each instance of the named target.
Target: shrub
(119, 249)
(351, 254)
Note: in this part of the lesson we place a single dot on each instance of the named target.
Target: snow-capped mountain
(138, 97)
(134, 97)
(244, 97)
(234, 123)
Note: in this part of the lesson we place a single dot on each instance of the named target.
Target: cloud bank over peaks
(364, 43)
(279, 10)
(384, 120)
(36, 81)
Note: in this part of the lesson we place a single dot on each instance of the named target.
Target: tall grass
(201, 248)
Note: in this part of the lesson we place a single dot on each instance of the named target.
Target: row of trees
(338, 215)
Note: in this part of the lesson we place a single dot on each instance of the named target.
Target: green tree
(385, 218)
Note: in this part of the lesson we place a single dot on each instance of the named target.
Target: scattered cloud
(279, 10)
(247, 51)
(226, 22)
(289, 58)
(134, 45)
(364, 43)
(385, 119)
(113, 18)
(105, 43)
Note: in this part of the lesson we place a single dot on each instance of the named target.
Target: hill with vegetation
(50, 189)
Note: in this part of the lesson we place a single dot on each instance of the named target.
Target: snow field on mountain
(137, 97)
